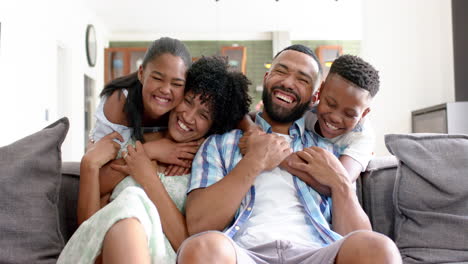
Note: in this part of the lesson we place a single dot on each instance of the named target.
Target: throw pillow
(431, 197)
(29, 188)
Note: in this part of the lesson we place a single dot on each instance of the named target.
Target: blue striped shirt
(219, 154)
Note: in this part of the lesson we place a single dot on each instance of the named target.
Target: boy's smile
(342, 105)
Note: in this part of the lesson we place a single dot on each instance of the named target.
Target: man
(267, 214)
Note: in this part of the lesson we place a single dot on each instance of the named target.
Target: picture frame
(326, 55)
(237, 57)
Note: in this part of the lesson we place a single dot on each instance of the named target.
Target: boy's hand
(304, 176)
(102, 151)
(322, 165)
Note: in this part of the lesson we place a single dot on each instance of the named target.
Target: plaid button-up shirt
(220, 154)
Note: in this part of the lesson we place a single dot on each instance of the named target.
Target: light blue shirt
(220, 154)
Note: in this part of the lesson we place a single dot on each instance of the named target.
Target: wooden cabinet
(448, 118)
(237, 57)
(121, 61)
(326, 55)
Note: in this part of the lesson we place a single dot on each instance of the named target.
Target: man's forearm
(214, 207)
(348, 215)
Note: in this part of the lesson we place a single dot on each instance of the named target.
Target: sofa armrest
(375, 191)
(68, 198)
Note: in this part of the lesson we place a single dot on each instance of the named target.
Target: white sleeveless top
(104, 127)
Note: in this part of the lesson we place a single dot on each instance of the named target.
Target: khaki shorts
(284, 252)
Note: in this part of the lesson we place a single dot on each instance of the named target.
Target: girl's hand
(103, 151)
(169, 152)
(139, 166)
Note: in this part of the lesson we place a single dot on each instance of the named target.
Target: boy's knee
(209, 247)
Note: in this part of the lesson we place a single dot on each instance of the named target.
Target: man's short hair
(357, 71)
(303, 49)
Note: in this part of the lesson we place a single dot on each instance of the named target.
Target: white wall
(410, 42)
(31, 34)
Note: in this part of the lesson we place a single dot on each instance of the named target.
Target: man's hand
(323, 166)
(103, 151)
(269, 150)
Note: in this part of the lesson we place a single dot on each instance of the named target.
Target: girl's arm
(140, 167)
(97, 155)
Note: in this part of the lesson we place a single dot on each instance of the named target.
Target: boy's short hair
(357, 71)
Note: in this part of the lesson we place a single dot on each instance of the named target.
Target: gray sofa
(418, 197)
(374, 189)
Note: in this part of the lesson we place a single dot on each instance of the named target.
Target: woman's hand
(138, 165)
(167, 151)
(102, 151)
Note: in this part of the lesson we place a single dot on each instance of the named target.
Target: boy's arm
(353, 167)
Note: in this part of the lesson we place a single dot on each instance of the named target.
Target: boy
(344, 100)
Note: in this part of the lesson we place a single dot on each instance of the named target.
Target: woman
(147, 223)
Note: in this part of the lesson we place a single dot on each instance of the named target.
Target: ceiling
(316, 19)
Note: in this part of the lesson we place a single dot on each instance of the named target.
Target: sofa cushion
(377, 192)
(431, 197)
(29, 191)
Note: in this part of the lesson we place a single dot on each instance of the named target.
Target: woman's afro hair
(225, 91)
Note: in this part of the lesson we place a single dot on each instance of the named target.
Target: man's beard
(278, 113)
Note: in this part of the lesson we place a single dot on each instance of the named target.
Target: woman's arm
(109, 178)
(142, 170)
(99, 154)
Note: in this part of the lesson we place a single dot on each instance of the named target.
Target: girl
(140, 102)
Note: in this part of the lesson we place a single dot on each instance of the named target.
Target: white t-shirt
(358, 143)
(278, 214)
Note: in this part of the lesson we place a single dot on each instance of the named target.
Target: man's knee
(209, 247)
(369, 246)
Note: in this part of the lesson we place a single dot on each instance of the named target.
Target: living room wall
(259, 52)
(411, 44)
(42, 67)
